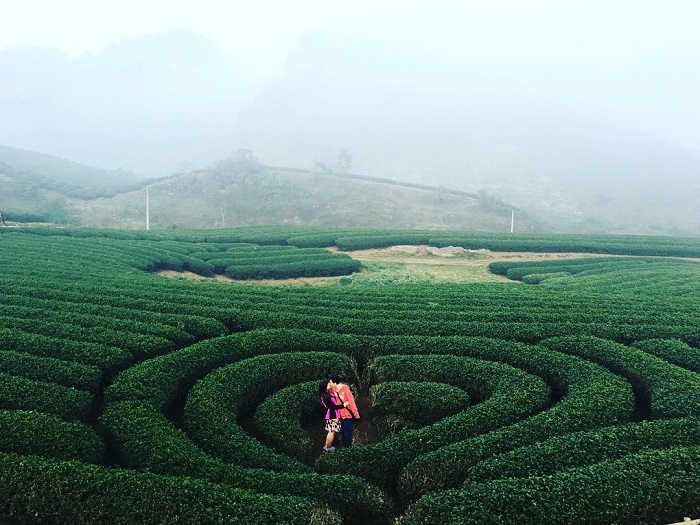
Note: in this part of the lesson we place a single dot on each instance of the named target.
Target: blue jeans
(346, 431)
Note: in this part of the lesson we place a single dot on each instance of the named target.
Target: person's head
(323, 387)
(334, 380)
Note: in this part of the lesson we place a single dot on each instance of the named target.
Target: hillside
(47, 187)
(239, 191)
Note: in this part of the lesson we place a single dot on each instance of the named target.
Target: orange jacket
(344, 394)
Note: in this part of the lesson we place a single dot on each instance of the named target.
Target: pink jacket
(344, 394)
(333, 406)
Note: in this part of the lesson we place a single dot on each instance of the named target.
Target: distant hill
(239, 191)
(43, 185)
(61, 172)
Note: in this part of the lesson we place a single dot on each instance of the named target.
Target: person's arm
(350, 399)
(334, 404)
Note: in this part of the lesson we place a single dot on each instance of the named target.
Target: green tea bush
(651, 486)
(37, 434)
(672, 391)
(674, 351)
(26, 394)
(278, 419)
(537, 278)
(508, 395)
(147, 440)
(584, 448)
(412, 404)
(50, 370)
(215, 403)
(37, 490)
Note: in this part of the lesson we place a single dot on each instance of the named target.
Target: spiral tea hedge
(568, 393)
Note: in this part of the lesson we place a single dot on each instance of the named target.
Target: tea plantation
(568, 394)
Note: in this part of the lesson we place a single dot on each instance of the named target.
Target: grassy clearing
(402, 265)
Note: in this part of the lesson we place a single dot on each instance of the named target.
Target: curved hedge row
(413, 404)
(674, 351)
(508, 395)
(673, 392)
(651, 486)
(102, 356)
(278, 419)
(217, 402)
(589, 395)
(33, 489)
(302, 268)
(35, 433)
(584, 448)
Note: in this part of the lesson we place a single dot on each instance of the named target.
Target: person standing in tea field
(329, 399)
(349, 411)
(2, 220)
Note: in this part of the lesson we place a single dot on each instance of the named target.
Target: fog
(561, 107)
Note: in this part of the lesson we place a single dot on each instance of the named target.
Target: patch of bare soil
(407, 254)
(476, 258)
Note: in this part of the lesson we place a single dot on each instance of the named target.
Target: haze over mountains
(174, 102)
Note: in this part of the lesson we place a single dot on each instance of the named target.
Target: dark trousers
(346, 431)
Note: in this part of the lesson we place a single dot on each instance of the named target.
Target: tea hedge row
(509, 395)
(47, 312)
(354, 238)
(322, 267)
(91, 354)
(140, 346)
(51, 370)
(587, 397)
(26, 294)
(580, 449)
(398, 406)
(673, 392)
(27, 394)
(651, 486)
(278, 419)
(147, 440)
(34, 489)
(39, 434)
(216, 403)
(674, 351)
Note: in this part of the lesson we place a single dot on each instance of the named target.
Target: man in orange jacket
(349, 412)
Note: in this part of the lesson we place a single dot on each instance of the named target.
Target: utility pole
(148, 219)
(512, 218)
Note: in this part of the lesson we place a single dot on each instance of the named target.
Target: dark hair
(323, 388)
(335, 378)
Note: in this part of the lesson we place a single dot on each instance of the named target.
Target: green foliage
(412, 404)
(278, 419)
(518, 394)
(26, 394)
(585, 448)
(216, 403)
(34, 490)
(651, 486)
(537, 278)
(51, 370)
(509, 395)
(38, 434)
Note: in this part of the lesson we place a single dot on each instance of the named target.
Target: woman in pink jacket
(329, 399)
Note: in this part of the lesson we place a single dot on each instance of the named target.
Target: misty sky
(629, 63)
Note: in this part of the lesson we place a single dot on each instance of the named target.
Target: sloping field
(565, 391)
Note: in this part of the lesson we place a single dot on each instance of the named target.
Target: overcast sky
(635, 62)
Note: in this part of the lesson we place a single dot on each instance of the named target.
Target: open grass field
(171, 377)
